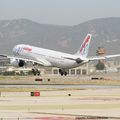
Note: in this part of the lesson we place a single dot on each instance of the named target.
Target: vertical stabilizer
(83, 51)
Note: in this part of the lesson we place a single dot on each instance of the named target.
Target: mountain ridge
(62, 38)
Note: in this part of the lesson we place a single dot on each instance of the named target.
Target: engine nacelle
(17, 63)
(78, 60)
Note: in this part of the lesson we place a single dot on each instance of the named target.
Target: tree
(100, 66)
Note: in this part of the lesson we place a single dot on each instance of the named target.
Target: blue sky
(60, 12)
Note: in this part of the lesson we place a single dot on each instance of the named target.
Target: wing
(103, 57)
(76, 59)
(42, 62)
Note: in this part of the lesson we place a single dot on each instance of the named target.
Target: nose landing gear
(35, 71)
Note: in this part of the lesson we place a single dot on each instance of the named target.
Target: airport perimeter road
(61, 104)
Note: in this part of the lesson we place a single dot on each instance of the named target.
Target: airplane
(49, 58)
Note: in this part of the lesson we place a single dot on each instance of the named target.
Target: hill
(61, 38)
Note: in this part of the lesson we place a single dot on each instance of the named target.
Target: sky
(59, 12)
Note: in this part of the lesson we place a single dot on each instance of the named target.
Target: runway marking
(53, 118)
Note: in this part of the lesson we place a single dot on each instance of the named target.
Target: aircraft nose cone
(16, 50)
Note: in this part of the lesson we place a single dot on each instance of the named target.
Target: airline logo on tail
(27, 49)
(85, 46)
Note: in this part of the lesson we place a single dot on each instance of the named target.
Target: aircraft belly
(65, 64)
(69, 64)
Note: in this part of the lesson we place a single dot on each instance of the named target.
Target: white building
(81, 70)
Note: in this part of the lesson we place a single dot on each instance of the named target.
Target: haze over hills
(106, 33)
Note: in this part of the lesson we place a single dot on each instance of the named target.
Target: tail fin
(83, 51)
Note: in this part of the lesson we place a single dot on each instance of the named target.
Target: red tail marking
(27, 49)
(87, 40)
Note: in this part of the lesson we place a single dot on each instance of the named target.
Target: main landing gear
(35, 71)
(62, 72)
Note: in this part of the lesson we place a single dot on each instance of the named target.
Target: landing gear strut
(35, 71)
(62, 72)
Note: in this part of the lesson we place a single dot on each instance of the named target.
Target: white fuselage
(49, 57)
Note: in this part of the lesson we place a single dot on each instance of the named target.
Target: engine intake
(17, 63)
(21, 63)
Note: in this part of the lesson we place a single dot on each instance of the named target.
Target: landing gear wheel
(62, 72)
(65, 73)
(36, 72)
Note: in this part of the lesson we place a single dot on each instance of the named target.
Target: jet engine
(17, 63)
(78, 60)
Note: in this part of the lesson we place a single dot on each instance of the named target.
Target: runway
(60, 86)
(81, 99)
(61, 105)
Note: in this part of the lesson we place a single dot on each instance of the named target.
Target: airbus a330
(50, 58)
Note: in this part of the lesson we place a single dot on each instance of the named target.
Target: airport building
(86, 69)
(82, 70)
(4, 63)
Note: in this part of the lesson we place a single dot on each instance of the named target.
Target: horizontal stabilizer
(103, 57)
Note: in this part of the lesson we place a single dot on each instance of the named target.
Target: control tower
(101, 63)
(101, 52)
